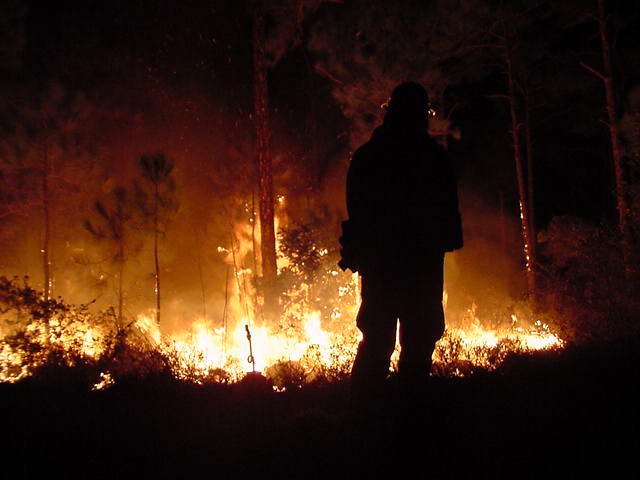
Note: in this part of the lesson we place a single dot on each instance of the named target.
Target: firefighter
(403, 216)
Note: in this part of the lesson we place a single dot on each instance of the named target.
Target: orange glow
(303, 335)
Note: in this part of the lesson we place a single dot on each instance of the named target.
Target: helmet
(409, 97)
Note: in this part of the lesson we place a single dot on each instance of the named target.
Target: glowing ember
(106, 380)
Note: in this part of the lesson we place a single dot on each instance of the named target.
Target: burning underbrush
(42, 336)
(312, 338)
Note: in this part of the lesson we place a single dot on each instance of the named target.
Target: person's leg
(422, 321)
(377, 320)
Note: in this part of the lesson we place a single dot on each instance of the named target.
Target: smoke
(487, 274)
(211, 143)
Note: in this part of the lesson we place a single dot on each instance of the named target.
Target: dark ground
(571, 415)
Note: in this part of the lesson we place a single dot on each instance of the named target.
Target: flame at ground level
(302, 345)
(201, 350)
(307, 350)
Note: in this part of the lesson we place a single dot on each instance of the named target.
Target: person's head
(408, 105)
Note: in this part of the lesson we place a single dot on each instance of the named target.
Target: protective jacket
(402, 201)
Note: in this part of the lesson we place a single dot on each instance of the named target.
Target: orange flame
(201, 349)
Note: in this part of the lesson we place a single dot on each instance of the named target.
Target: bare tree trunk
(265, 174)
(46, 240)
(522, 190)
(203, 293)
(314, 151)
(254, 244)
(46, 210)
(612, 116)
(156, 258)
(119, 320)
(530, 186)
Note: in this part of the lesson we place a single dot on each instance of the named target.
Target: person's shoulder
(364, 151)
(373, 147)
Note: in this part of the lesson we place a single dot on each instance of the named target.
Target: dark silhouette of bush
(587, 281)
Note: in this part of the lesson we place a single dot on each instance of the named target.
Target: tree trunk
(156, 258)
(119, 320)
(503, 223)
(46, 210)
(522, 190)
(530, 187)
(203, 293)
(612, 117)
(265, 174)
(312, 118)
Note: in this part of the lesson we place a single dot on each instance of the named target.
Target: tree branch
(321, 71)
(593, 71)
(605, 123)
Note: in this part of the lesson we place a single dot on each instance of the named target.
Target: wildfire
(200, 350)
(67, 336)
(315, 342)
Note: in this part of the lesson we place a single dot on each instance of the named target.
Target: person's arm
(356, 191)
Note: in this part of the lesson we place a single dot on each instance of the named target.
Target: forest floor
(567, 415)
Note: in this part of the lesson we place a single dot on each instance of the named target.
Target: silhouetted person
(402, 206)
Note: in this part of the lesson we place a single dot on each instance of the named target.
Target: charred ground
(560, 415)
